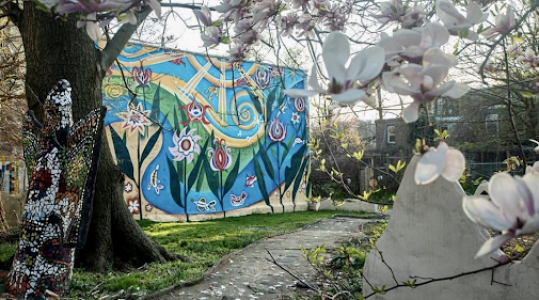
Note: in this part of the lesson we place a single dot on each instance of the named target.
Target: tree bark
(57, 50)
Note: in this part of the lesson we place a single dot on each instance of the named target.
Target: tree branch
(120, 39)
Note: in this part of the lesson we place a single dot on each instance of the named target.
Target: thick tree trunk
(59, 50)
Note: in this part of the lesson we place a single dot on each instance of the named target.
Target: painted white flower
(423, 82)
(365, 65)
(445, 161)
(512, 208)
(502, 24)
(456, 22)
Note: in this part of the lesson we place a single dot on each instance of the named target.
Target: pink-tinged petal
(493, 244)
(458, 90)
(407, 37)
(93, 30)
(349, 96)
(367, 64)
(505, 194)
(531, 226)
(532, 181)
(411, 113)
(154, 4)
(527, 204)
(336, 52)
(454, 165)
(481, 189)
(442, 89)
(313, 81)
(400, 87)
(299, 93)
(483, 212)
(434, 35)
(437, 56)
(437, 72)
(430, 165)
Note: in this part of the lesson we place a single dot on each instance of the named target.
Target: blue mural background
(198, 136)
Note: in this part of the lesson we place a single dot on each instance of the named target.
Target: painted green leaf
(176, 123)
(267, 162)
(299, 177)
(211, 177)
(151, 143)
(156, 110)
(196, 168)
(295, 163)
(175, 189)
(232, 176)
(261, 182)
(270, 101)
(256, 102)
(122, 154)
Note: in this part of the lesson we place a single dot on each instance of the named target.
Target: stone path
(248, 274)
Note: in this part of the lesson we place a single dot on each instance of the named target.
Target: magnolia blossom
(446, 161)
(411, 45)
(512, 208)
(456, 22)
(529, 59)
(533, 169)
(502, 24)
(423, 82)
(536, 149)
(395, 11)
(365, 65)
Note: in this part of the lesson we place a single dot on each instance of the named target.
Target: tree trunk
(59, 50)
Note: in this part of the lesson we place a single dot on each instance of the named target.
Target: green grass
(205, 242)
(7, 250)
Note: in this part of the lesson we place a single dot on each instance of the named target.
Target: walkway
(248, 274)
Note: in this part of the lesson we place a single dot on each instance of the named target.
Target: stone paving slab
(247, 274)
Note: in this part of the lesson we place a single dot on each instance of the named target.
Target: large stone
(429, 236)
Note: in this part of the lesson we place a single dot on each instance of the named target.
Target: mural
(198, 137)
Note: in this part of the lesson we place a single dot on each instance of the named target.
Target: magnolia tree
(409, 49)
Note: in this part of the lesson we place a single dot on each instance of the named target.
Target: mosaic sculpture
(61, 159)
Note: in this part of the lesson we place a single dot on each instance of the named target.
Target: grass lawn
(205, 242)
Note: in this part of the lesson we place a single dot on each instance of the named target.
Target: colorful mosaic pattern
(61, 159)
(204, 138)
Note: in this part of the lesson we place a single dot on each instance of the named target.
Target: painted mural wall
(204, 138)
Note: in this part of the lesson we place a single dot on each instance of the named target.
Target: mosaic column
(61, 160)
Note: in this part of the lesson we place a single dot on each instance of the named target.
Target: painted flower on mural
(263, 78)
(220, 156)
(185, 145)
(195, 112)
(149, 207)
(295, 118)
(135, 119)
(277, 131)
(446, 161)
(343, 82)
(142, 75)
(133, 206)
(512, 208)
(128, 187)
(299, 104)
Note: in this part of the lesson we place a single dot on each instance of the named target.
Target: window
(491, 124)
(390, 132)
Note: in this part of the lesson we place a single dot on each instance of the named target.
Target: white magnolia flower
(455, 21)
(512, 208)
(365, 65)
(445, 161)
(423, 82)
(411, 45)
(533, 169)
(502, 24)
(536, 149)
(529, 59)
